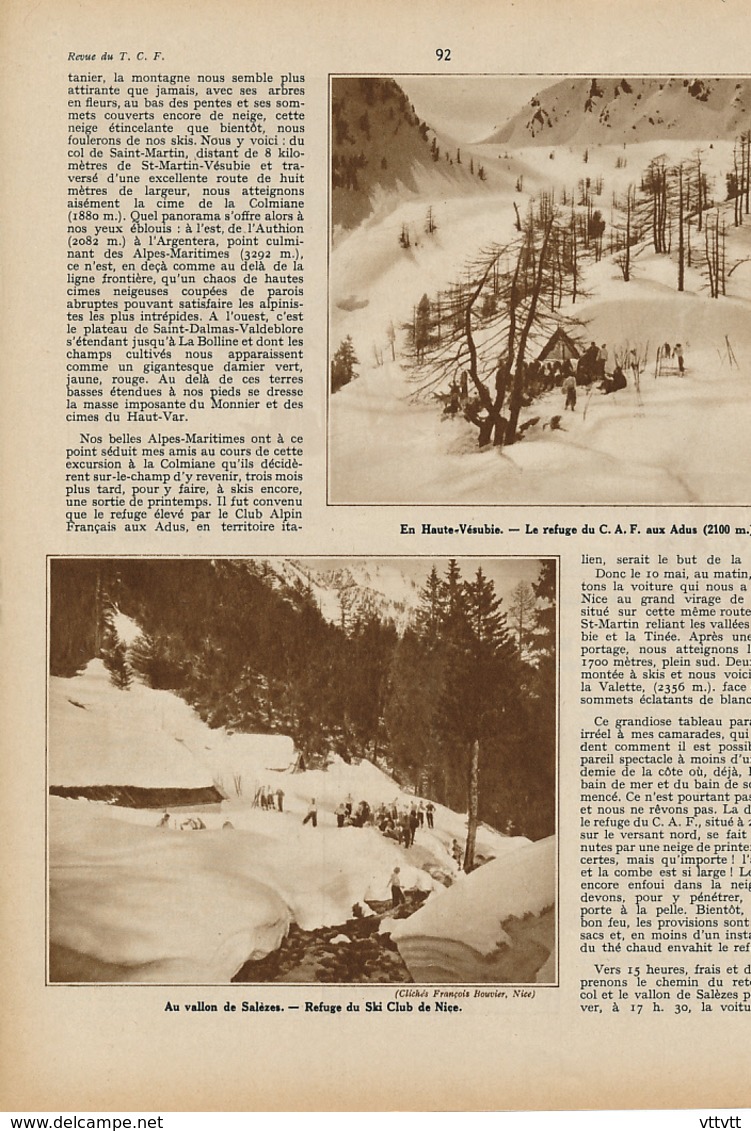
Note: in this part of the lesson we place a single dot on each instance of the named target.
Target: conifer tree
(115, 660)
(343, 365)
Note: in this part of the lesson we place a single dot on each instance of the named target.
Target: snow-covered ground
(673, 440)
(130, 901)
(494, 925)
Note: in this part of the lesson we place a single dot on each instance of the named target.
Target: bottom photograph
(311, 770)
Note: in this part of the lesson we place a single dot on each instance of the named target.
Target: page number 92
(443, 54)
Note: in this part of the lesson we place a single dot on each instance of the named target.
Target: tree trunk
(681, 246)
(473, 806)
(515, 400)
(486, 427)
(626, 267)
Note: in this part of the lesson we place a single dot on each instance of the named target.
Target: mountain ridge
(613, 110)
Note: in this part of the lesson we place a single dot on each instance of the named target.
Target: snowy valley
(583, 156)
(184, 853)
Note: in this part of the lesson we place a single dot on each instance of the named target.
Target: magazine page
(377, 631)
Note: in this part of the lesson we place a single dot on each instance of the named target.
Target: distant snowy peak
(374, 588)
(613, 110)
(358, 590)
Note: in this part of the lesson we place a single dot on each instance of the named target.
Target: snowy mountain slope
(140, 737)
(658, 444)
(609, 110)
(380, 148)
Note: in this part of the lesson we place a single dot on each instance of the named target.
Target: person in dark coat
(588, 364)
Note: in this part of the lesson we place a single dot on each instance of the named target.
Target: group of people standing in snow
(397, 821)
(664, 354)
(592, 366)
(400, 823)
(268, 798)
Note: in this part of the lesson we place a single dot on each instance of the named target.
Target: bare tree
(655, 202)
(679, 173)
(503, 309)
(714, 249)
(625, 235)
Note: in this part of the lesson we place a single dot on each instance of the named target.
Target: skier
(421, 814)
(397, 895)
(429, 811)
(312, 814)
(569, 388)
(164, 823)
(341, 813)
(456, 852)
(614, 383)
(678, 353)
(280, 799)
(666, 351)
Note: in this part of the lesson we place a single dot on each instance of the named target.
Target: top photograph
(539, 290)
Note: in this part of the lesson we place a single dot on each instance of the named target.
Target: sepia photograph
(306, 770)
(539, 289)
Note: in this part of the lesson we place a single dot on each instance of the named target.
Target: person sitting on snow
(194, 823)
